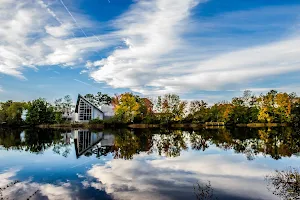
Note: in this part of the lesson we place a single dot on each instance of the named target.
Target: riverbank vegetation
(272, 107)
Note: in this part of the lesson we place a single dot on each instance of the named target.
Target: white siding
(97, 114)
(87, 111)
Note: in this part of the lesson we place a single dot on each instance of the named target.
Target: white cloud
(158, 58)
(151, 29)
(156, 55)
(33, 35)
(58, 31)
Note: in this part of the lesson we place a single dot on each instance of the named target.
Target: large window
(85, 111)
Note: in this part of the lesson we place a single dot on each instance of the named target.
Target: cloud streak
(73, 18)
(79, 81)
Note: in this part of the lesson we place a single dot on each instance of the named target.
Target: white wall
(97, 114)
(108, 110)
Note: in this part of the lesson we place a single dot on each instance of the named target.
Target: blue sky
(199, 49)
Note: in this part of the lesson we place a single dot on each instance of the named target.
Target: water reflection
(285, 183)
(88, 143)
(277, 143)
(145, 164)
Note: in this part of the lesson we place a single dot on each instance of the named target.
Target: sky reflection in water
(143, 164)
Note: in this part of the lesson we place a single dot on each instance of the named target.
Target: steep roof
(81, 97)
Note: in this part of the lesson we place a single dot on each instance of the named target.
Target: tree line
(272, 107)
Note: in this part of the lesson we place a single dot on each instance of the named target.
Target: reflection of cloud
(4, 177)
(55, 192)
(162, 178)
(25, 189)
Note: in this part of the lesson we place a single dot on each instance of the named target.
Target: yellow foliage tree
(127, 107)
(284, 107)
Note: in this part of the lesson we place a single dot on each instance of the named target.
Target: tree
(99, 99)
(62, 106)
(173, 107)
(197, 106)
(11, 112)
(127, 108)
(197, 111)
(283, 107)
(40, 112)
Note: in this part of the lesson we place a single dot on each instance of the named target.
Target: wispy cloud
(151, 30)
(159, 58)
(31, 37)
(82, 82)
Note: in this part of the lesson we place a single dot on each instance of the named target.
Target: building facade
(86, 111)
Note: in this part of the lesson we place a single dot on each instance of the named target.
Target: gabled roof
(81, 97)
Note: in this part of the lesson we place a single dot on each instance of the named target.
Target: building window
(85, 111)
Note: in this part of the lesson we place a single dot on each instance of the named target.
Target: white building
(86, 111)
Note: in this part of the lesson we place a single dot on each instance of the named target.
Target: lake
(148, 164)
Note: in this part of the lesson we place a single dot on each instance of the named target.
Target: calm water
(145, 164)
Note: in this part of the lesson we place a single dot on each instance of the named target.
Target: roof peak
(80, 96)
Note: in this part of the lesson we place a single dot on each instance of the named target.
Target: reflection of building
(87, 142)
(67, 137)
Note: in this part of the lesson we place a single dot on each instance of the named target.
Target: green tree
(173, 107)
(197, 111)
(11, 112)
(99, 99)
(40, 112)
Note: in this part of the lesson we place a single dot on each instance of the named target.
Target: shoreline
(178, 125)
(152, 126)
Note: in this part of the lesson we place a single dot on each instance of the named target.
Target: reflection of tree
(126, 144)
(38, 140)
(170, 144)
(204, 191)
(34, 141)
(198, 142)
(283, 142)
(285, 184)
(276, 142)
(10, 139)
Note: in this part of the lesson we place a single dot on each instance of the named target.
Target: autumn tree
(283, 107)
(127, 107)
